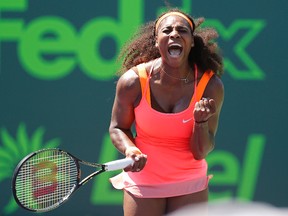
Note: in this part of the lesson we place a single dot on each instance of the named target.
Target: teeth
(176, 45)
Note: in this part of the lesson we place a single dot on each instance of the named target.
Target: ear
(192, 43)
(156, 43)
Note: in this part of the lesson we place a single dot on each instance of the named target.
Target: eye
(166, 30)
(182, 30)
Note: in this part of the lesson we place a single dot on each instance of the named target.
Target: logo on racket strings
(44, 176)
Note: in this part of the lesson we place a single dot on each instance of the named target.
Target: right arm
(128, 92)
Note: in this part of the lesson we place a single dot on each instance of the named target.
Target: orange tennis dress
(171, 169)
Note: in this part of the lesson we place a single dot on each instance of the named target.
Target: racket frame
(77, 184)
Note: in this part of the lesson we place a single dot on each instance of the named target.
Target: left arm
(206, 116)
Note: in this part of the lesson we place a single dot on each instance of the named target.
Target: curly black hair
(141, 48)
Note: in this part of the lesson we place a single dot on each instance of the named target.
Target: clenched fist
(204, 109)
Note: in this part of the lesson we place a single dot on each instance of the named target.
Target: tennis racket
(45, 179)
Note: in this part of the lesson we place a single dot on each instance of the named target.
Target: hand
(139, 159)
(204, 109)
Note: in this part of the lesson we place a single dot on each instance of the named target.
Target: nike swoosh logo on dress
(186, 120)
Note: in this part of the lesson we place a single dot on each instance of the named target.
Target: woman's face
(174, 39)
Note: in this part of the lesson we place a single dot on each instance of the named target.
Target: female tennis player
(170, 87)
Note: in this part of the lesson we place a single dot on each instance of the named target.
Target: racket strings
(46, 179)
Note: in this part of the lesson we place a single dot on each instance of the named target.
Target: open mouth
(175, 50)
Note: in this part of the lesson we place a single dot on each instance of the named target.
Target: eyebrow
(177, 27)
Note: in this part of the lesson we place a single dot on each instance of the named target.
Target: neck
(181, 74)
(185, 80)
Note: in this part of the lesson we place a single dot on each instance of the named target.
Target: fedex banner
(58, 61)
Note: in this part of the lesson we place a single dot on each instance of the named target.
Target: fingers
(203, 105)
(140, 162)
(139, 158)
(212, 104)
(204, 109)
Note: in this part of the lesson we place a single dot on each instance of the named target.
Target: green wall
(57, 84)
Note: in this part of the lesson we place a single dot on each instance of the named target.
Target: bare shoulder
(215, 89)
(129, 80)
(216, 84)
(128, 86)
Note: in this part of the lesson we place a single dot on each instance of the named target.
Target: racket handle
(118, 164)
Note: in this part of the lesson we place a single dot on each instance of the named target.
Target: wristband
(201, 124)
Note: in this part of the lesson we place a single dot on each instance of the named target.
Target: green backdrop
(57, 84)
